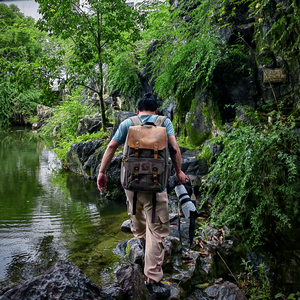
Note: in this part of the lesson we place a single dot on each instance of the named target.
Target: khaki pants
(153, 234)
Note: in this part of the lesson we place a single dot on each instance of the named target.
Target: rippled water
(48, 214)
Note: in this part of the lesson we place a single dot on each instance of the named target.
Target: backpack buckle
(136, 149)
(155, 150)
(136, 174)
(155, 175)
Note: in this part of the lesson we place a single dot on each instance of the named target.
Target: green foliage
(256, 181)
(206, 154)
(95, 29)
(189, 50)
(6, 94)
(123, 75)
(66, 117)
(11, 15)
(22, 49)
(64, 145)
(290, 297)
(254, 282)
(285, 26)
(14, 104)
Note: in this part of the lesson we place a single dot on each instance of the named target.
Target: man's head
(147, 103)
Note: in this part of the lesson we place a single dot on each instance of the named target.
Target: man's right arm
(107, 157)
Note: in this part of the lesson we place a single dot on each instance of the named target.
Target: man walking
(151, 234)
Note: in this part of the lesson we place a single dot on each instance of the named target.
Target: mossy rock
(203, 118)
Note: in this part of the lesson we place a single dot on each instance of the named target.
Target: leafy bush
(123, 76)
(13, 104)
(6, 94)
(64, 146)
(254, 282)
(190, 49)
(256, 181)
(66, 117)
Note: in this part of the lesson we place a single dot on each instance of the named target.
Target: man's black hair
(148, 102)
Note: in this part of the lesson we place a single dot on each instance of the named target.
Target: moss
(185, 143)
(175, 123)
(198, 139)
(217, 115)
(96, 258)
(205, 111)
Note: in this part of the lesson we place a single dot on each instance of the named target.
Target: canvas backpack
(145, 164)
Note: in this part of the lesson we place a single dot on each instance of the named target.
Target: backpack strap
(136, 120)
(134, 201)
(160, 120)
(153, 207)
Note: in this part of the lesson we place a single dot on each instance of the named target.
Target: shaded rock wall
(269, 80)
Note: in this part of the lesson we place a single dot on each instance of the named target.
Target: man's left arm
(176, 159)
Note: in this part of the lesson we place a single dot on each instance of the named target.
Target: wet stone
(125, 227)
(227, 290)
(62, 281)
(130, 284)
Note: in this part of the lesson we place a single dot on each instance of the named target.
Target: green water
(48, 214)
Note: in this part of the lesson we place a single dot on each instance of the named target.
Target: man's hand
(101, 181)
(182, 178)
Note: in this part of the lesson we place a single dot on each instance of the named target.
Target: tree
(20, 46)
(95, 28)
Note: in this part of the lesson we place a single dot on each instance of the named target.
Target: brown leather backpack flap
(147, 137)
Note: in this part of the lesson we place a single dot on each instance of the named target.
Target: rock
(227, 290)
(136, 252)
(126, 226)
(80, 153)
(113, 178)
(215, 150)
(172, 246)
(36, 126)
(89, 125)
(197, 295)
(84, 158)
(121, 249)
(130, 284)
(62, 281)
(43, 111)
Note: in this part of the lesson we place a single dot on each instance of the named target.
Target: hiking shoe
(158, 290)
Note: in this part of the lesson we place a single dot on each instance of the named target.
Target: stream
(48, 214)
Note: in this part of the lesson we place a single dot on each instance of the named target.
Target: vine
(255, 181)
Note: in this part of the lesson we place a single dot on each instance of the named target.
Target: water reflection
(48, 214)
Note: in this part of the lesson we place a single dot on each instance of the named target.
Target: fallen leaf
(202, 285)
(188, 261)
(204, 254)
(219, 281)
(215, 238)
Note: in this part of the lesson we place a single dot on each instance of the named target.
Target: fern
(256, 181)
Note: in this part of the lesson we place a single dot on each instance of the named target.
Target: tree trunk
(100, 84)
(101, 103)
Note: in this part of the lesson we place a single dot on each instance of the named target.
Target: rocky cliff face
(269, 80)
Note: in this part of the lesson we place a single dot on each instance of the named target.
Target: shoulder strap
(136, 120)
(160, 120)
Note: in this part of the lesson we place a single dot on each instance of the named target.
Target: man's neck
(146, 112)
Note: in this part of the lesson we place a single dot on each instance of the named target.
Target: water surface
(48, 214)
